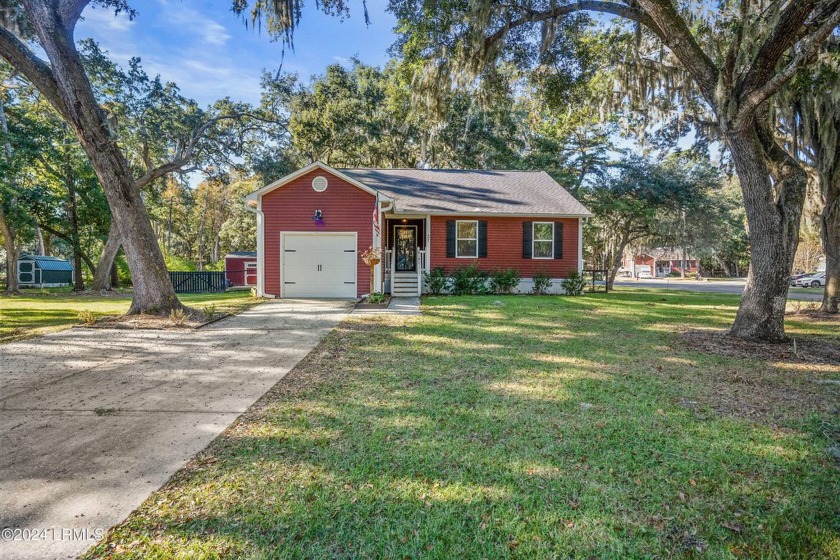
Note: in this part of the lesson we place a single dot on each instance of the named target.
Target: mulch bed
(793, 383)
(803, 350)
(192, 320)
(364, 304)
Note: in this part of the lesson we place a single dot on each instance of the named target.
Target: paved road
(723, 287)
(92, 421)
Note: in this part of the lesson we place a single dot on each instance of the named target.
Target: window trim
(457, 239)
(534, 240)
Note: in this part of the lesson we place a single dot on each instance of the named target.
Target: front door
(405, 248)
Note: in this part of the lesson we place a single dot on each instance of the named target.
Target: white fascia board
(491, 214)
(304, 170)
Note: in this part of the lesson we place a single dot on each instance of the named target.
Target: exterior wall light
(318, 217)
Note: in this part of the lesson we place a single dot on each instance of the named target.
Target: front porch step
(405, 284)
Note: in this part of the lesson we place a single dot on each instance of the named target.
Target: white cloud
(206, 80)
(105, 20)
(215, 33)
(192, 21)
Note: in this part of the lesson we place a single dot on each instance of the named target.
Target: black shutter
(558, 240)
(482, 239)
(450, 239)
(527, 238)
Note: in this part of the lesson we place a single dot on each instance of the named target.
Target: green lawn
(37, 312)
(545, 427)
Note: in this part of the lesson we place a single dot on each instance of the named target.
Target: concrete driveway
(92, 421)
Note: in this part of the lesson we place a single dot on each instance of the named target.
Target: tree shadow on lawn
(459, 435)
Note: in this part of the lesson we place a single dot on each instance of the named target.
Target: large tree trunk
(115, 275)
(11, 252)
(102, 278)
(5, 228)
(614, 258)
(830, 232)
(73, 97)
(774, 235)
(78, 277)
(42, 247)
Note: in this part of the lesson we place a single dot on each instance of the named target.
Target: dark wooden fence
(596, 277)
(198, 282)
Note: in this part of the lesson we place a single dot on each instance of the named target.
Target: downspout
(381, 265)
(580, 245)
(254, 204)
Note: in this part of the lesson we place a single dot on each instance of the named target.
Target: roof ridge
(416, 169)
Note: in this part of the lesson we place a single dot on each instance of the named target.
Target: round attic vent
(319, 183)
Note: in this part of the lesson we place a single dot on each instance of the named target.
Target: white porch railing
(387, 261)
(421, 267)
(390, 265)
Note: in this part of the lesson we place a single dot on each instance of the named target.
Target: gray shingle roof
(455, 191)
(48, 263)
(242, 254)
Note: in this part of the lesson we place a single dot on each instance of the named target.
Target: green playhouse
(36, 271)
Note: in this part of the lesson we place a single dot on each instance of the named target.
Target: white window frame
(250, 271)
(534, 240)
(457, 239)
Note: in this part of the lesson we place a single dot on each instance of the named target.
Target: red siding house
(660, 261)
(241, 268)
(313, 225)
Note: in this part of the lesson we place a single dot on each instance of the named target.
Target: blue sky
(204, 48)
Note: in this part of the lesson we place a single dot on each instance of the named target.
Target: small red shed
(241, 268)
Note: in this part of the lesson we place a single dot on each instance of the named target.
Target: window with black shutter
(527, 239)
(558, 240)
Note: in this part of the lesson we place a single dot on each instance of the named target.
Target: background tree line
(478, 84)
(357, 116)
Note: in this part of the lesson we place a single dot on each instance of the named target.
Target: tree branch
(777, 43)
(806, 49)
(69, 240)
(578, 6)
(184, 153)
(659, 16)
(676, 35)
(728, 74)
(69, 12)
(36, 70)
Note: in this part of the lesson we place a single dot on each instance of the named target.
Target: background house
(660, 261)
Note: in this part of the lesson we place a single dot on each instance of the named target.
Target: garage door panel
(319, 265)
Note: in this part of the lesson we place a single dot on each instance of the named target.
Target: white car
(811, 281)
(644, 273)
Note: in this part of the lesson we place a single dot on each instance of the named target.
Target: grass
(37, 312)
(544, 427)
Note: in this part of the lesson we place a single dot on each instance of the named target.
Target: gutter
(253, 203)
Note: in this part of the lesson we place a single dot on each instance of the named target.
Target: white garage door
(318, 265)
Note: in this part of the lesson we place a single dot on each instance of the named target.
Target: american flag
(376, 229)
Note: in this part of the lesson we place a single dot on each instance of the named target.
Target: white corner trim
(260, 251)
(257, 209)
(580, 245)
